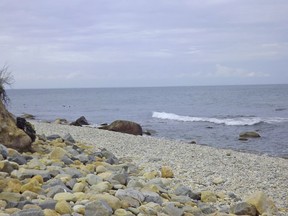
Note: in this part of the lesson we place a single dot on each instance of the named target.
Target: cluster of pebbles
(64, 177)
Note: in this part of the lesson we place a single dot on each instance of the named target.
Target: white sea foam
(236, 121)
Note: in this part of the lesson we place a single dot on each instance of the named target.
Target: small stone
(171, 209)
(33, 185)
(249, 134)
(65, 196)
(79, 209)
(112, 201)
(98, 208)
(122, 212)
(218, 181)
(166, 172)
(10, 196)
(151, 175)
(14, 185)
(63, 207)
(58, 153)
(149, 209)
(28, 212)
(101, 187)
(79, 187)
(132, 196)
(101, 169)
(50, 212)
(93, 179)
(208, 196)
(262, 203)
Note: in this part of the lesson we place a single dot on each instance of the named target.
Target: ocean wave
(231, 121)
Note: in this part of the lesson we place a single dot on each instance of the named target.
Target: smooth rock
(173, 210)
(112, 201)
(65, 196)
(93, 179)
(262, 203)
(79, 209)
(29, 212)
(249, 134)
(58, 153)
(208, 196)
(243, 208)
(98, 208)
(63, 207)
(101, 187)
(130, 195)
(10, 196)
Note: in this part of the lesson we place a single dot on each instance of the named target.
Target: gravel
(199, 167)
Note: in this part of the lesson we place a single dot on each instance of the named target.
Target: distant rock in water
(80, 122)
(28, 116)
(123, 126)
(249, 134)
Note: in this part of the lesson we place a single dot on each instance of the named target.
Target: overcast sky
(119, 43)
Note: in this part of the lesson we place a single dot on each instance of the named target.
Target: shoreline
(196, 166)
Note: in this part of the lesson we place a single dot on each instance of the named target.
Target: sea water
(207, 115)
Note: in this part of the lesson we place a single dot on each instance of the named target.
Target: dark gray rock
(48, 204)
(206, 208)
(29, 173)
(186, 191)
(152, 197)
(3, 151)
(123, 126)
(57, 189)
(80, 122)
(27, 127)
(110, 157)
(243, 208)
(130, 195)
(98, 208)
(29, 212)
(71, 183)
(68, 138)
(19, 159)
(73, 172)
(53, 137)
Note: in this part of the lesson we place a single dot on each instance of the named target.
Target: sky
(142, 43)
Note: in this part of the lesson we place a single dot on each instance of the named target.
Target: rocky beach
(87, 171)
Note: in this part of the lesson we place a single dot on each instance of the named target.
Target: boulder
(26, 127)
(10, 135)
(249, 134)
(123, 126)
(80, 122)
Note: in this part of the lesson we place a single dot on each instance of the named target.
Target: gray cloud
(144, 42)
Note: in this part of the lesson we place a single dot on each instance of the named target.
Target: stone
(68, 137)
(33, 185)
(27, 127)
(112, 201)
(171, 209)
(79, 209)
(8, 167)
(186, 191)
(218, 181)
(29, 173)
(3, 151)
(152, 197)
(166, 172)
(58, 153)
(93, 179)
(50, 212)
(63, 207)
(57, 189)
(29, 212)
(123, 126)
(208, 196)
(47, 204)
(207, 208)
(65, 196)
(101, 187)
(10, 196)
(79, 187)
(262, 203)
(10, 135)
(130, 195)
(149, 209)
(122, 212)
(243, 208)
(249, 134)
(98, 208)
(80, 122)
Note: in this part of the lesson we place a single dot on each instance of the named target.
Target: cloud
(224, 71)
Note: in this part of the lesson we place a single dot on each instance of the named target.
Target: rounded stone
(66, 196)
(63, 207)
(166, 172)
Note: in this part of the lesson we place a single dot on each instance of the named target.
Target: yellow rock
(122, 212)
(33, 185)
(14, 185)
(62, 207)
(65, 196)
(39, 178)
(101, 169)
(58, 153)
(3, 204)
(90, 167)
(151, 175)
(262, 203)
(79, 209)
(79, 187)
(50, 212)
(11, 211)
(112, 201)
(208, 196)
(105, 175)
(166, 172)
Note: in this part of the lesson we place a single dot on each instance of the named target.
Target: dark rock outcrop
(26, 127)
(80, 122)
(123, 126)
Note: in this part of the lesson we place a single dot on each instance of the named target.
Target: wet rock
(80, 122)
(123, 126)
(249, 134)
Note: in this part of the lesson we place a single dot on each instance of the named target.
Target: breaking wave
(231, 121)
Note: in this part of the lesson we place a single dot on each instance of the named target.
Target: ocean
(207, 115)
